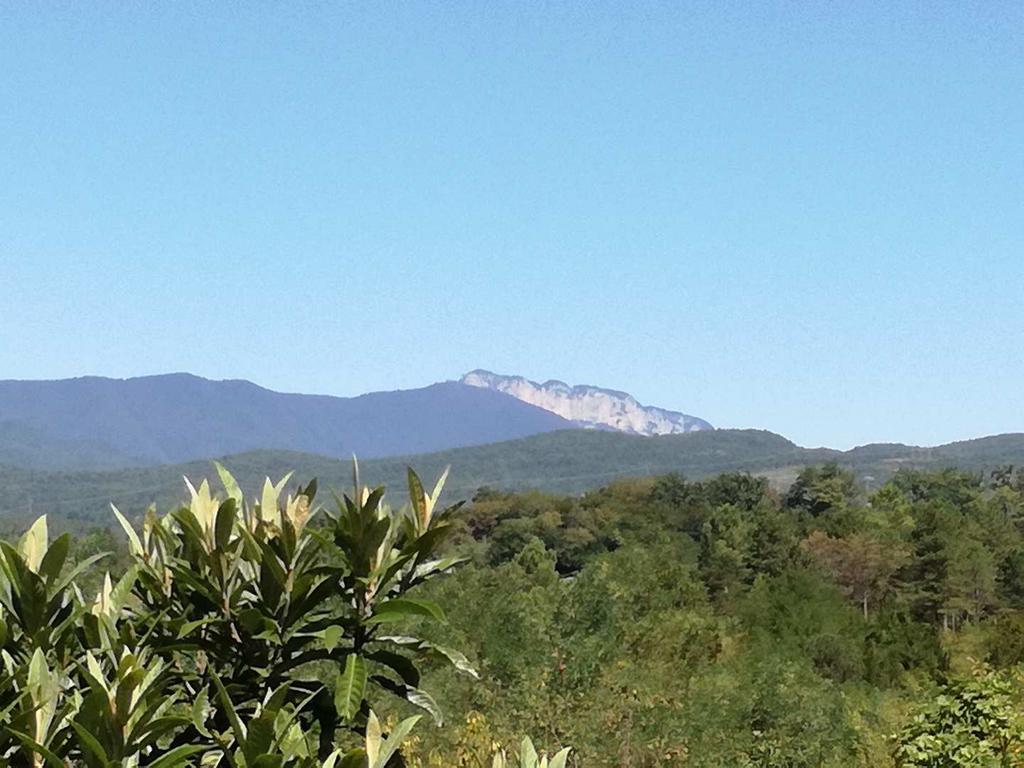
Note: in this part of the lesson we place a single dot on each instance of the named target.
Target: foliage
(651, 622)
(862, 565)
(976, 723)
(716, 623)
(241, 633)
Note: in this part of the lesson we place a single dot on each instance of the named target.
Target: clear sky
(797, 216)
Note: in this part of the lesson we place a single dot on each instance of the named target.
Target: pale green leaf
(134, 545)
(33, 544)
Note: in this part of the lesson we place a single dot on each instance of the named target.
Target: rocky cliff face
(588, 406)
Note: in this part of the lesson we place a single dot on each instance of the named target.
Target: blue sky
(802, 217)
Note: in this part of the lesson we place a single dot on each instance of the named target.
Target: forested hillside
(568, 461)
(721, 623)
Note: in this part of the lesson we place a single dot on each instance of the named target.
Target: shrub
(243, 633)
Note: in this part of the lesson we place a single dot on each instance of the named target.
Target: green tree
(725, 551)
(827, 495)
(972, 723)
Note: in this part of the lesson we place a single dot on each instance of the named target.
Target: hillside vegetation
(722, 623)
(651, 622)
(569, 461)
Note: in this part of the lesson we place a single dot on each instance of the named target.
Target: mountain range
(95, 423)
(101, 423)
(70, 447)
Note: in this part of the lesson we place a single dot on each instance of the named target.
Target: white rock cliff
(588, 406)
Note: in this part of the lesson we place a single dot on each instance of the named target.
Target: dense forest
(719, 622)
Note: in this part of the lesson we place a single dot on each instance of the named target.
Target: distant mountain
(23, 444)
(100, 423)
(587, 406)
(568, 461)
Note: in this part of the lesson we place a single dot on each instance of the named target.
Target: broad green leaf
(425, 544)
(225, 523)
(401, 665)
(43, 689)
(189, 627)
(458, 660)
(260, 735)
(98, 679)
(273, 578)
(399, 608)
(53, 561)
(332, 636)
(418, 498)
(270, 498)
(310, 490)
(123, 589)
(101, 606)
(38, 672)
(268, 502)
(350, 686)
(203, 505)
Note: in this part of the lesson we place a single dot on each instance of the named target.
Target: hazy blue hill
(564, 461)
(25, 445)
(92, 422)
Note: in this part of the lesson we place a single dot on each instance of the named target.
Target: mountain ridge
(97, 423)
(169, 418)
(589, 406)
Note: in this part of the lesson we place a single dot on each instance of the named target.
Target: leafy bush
(976, 723)
(243, 633)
